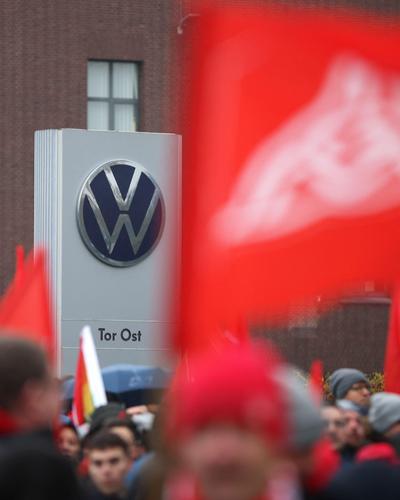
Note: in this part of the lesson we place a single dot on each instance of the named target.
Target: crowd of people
(241, 424)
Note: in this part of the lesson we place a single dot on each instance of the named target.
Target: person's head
(384, 413)
(351, 384)
(69, 442)
(99, 418)
(354, 428)
(228, 423)
(28, 392)
(354, 431)
(103, 414)
(127, 430)
(305, 425)
(334, 425)
(109, 461)
(230, 462)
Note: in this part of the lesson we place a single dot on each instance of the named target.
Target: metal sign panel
(107, 205)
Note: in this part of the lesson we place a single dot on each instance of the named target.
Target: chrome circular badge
(120, 213)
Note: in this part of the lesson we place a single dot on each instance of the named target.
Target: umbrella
(129, 384)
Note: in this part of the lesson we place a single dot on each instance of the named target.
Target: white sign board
(107, 208)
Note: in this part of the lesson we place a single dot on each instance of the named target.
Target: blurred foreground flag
(26, 309)
(291, 162)
(89, 392)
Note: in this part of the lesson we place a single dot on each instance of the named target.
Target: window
(112, 89)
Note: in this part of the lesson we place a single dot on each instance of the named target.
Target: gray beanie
(341, 380)
(384, 411)
(305, 422)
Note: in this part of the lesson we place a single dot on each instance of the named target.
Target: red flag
(25, 309)
(316, 380)
(291, 181)
(235, 333)
(392, 356)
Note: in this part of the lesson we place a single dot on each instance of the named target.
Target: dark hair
(125, 422)
(20, 361)
(105, 439)
(69, 425)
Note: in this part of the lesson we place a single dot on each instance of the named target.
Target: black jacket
(90, 492)
(371, 480)
(31, 468)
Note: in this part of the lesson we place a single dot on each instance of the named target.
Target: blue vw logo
(120, 213)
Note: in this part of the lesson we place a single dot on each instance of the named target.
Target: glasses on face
(353, 419)
(359, 387)
(335, 423)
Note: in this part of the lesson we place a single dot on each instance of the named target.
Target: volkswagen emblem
(120, 213)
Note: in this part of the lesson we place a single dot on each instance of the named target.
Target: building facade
(64, 64)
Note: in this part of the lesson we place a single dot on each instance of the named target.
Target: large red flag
(25, 309)
(392, 356)
(291, 162)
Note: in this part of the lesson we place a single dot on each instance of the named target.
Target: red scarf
(7, 423)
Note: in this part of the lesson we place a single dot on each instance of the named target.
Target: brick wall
(351, 334)
(44, 48)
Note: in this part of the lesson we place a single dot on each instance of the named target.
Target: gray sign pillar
(107, 208)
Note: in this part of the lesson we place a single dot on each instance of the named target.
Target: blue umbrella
(134, 384)
(129, 384)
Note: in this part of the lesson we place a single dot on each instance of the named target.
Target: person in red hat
(228, 422)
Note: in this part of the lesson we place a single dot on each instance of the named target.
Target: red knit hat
(237, 385)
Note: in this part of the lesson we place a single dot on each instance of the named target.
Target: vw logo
(120, 213)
